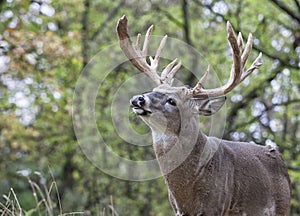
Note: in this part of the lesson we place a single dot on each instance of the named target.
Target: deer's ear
(207, 106)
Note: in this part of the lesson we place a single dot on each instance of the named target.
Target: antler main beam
(237, 74)
(138, 56)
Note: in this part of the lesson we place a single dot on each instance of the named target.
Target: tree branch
(109, 17)
(85, 31)
(268, 108)
(293, 168)
(168, 15)
(1, 4)
(297, 4)
(285, 62)
(283, 7)
(232, 115)
(188, 40)
(186, 22)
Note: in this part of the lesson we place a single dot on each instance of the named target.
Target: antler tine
(255, 65)
(154, 61)
(205, 75)
(147, 39)
(138, 40)
(247, 50)
(237, 74)
(171, 74)
(236, 70)
(199, 85)
(240, 42)
(169, 71)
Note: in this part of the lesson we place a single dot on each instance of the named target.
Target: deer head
(166, 106)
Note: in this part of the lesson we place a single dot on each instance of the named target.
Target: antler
(138, 56)
(237, 74)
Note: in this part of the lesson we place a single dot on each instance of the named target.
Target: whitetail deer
(215, 176)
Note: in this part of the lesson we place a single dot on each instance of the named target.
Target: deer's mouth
(140, 110)
(139, 104)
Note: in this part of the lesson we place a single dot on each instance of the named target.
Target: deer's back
(260, 180)
(240, 179)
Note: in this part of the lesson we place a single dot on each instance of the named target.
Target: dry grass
(47, 201)
(43, 197)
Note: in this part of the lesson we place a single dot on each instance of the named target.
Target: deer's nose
(138, 100)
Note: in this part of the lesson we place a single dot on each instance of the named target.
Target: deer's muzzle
(138, 104)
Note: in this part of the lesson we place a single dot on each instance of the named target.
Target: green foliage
(46, 58)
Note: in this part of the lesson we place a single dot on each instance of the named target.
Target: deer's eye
(171, 101)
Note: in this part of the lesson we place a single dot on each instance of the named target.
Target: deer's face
(166, 107)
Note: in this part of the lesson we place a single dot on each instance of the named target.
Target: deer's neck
(182, 137)
(190, 147)
(183, 160)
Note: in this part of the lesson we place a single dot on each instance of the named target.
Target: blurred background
(44, 46)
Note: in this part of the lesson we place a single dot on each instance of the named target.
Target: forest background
(46, 45)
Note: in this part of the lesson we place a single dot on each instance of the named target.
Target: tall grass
(43, 197)
(47, 201)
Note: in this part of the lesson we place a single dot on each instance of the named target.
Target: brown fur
(210, 176)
